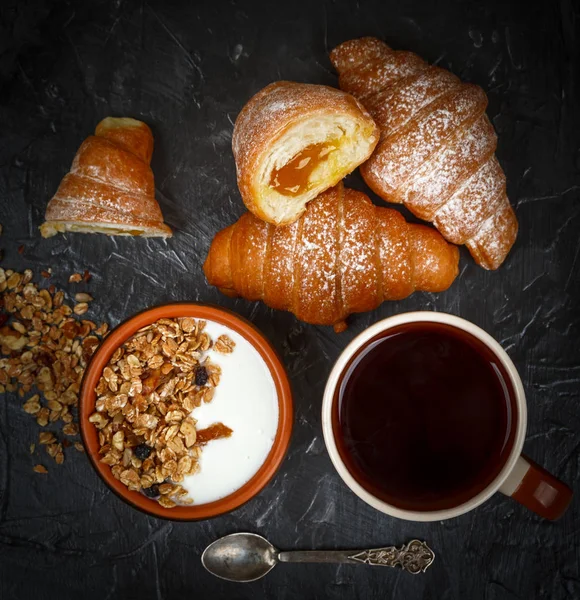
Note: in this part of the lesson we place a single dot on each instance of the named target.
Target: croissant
(110, 187)
(343, 256)
(436, 153)
(292, 141)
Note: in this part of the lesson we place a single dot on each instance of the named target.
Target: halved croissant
(110, 187)
(436, 153)
(343, 256)
(292, 141)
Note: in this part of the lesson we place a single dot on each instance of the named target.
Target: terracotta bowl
(285, 415)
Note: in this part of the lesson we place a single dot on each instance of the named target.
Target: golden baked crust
(110, 187)
(436, 153)
(344, 255)
(284, 119)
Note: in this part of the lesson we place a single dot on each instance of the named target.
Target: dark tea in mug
(424, 416)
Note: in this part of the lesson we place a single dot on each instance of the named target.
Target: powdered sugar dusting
(101, 159)
(478, 198)
(409, 96)
(495, 237)
(353, 53)
(358, 254)
(395, 254)
(279, 272)
(400, 155)
(378, 74)
(316, 256)
(437, 179)
(434, 149)
(109, 184)
(277, 108)
(326, 265)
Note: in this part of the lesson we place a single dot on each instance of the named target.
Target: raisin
(201, 376)
(142, 451)
(152, 492)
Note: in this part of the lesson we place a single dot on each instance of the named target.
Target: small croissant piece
(343, 256)
(292, 141)
(436, 153)
(110, 187)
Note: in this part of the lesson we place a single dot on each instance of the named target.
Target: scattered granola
(46, 437)
(75, 278)
(145, 397)
(81, 308)
(224, 344)
(83, 297)
(45, 349)
(39, 469)
(70, 429)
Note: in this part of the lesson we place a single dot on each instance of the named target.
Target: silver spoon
(247, 557)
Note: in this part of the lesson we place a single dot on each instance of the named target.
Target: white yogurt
(246, 401)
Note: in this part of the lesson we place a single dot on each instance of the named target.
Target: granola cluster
(145, 398)
(46, 349)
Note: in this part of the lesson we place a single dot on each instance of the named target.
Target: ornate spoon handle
(414, 557)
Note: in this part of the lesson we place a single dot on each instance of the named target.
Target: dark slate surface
(186, 68)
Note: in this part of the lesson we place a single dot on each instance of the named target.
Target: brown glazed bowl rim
(285, 409)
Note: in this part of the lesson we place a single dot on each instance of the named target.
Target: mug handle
(536, 489)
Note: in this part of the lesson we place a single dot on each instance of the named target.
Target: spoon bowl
(246, 557)
(242, 557)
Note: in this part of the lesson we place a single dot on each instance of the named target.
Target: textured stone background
(186, 68)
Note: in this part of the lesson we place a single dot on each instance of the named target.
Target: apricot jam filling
(216, 431)
(294, 177)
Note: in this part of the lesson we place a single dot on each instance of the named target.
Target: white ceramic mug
(519, 477)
